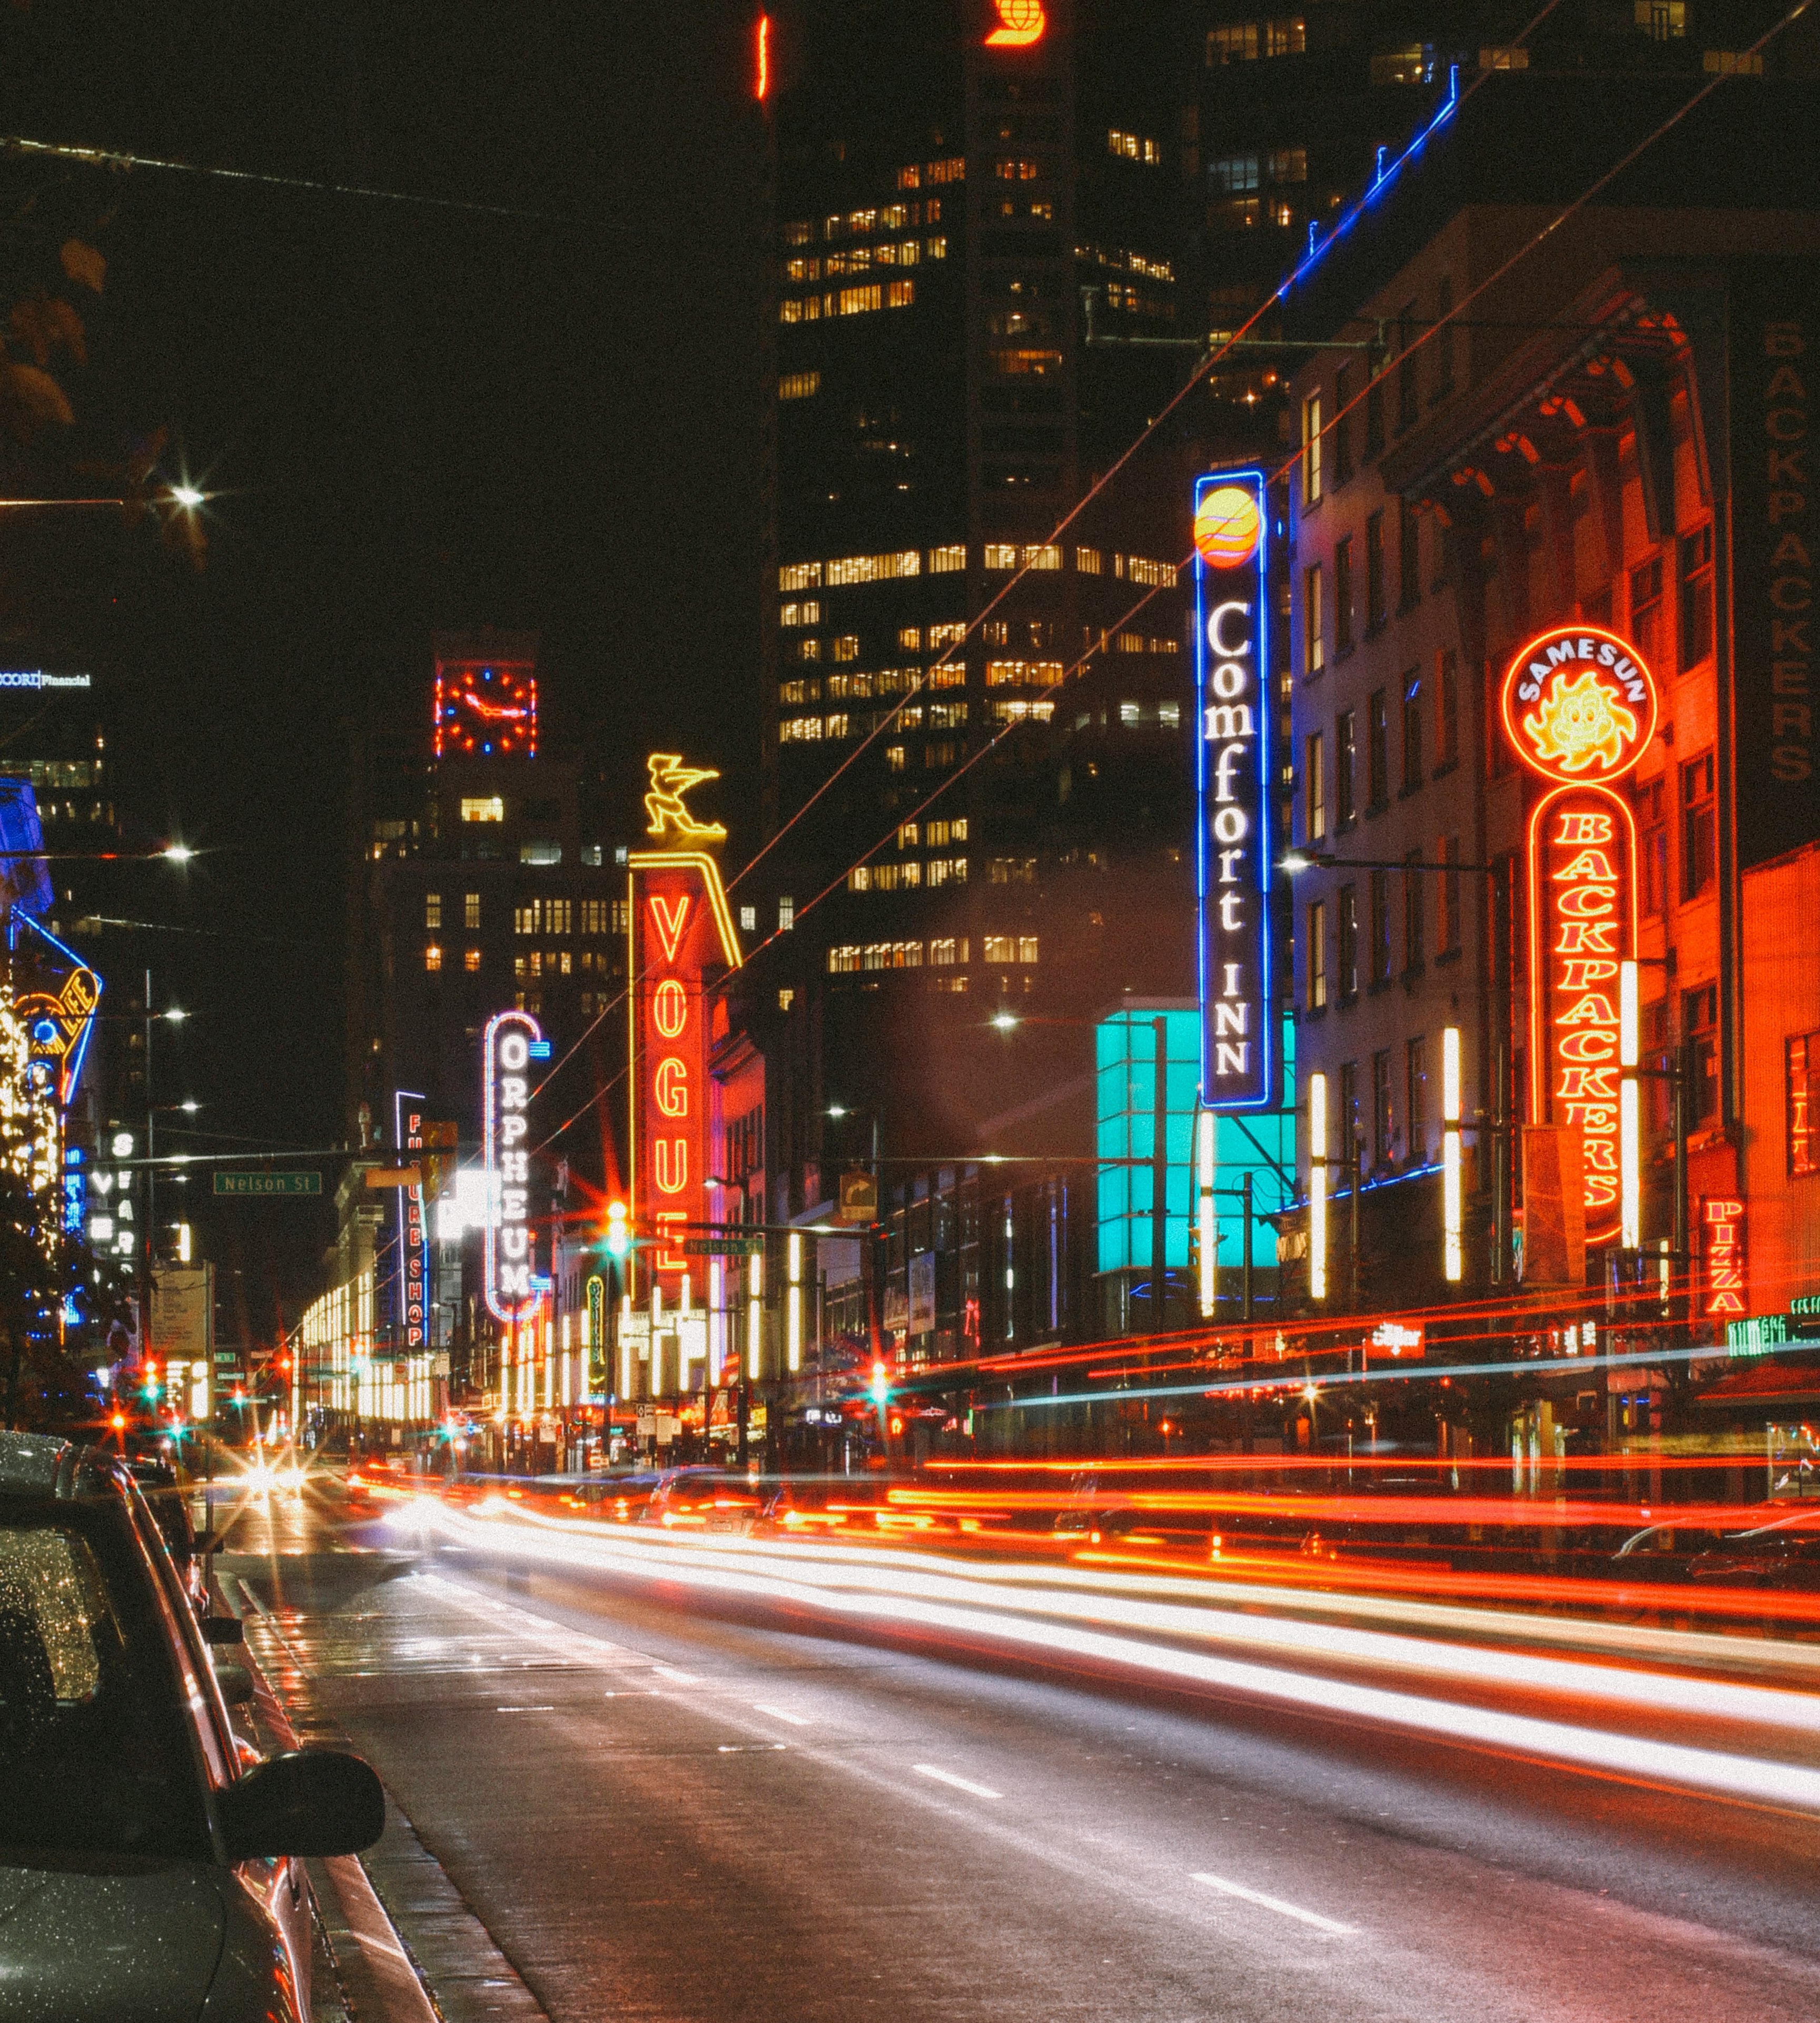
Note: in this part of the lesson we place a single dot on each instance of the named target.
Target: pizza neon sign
(1579, 706)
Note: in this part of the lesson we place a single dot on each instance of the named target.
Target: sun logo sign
(1232, 775)
(1579, 708)
(1021, 23)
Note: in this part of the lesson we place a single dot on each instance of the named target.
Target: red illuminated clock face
(486, 709)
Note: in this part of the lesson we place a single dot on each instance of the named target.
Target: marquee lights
(1579, 706)
(512, 1287)
(1232, 778)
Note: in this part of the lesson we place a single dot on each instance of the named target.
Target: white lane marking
(524, 1709)
(676, 1678)
(1276, 1903)
(782, 1713)
(748, 1748)
(959, 1784)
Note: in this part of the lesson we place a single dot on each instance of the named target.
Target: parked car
(150, 1861)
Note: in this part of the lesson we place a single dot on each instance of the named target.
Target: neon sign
(512, 1287)
(413, 1237)
(1579, 708)
(1722, 1246)
(486, 709)
(1231, 780)
(1021, 23)
(681, 928)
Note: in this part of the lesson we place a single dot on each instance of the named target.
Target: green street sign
(252, 1185)
(724, 1246)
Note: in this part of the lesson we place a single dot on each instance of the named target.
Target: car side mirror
(237, 1684)
(306, 1801)
(223, 1629)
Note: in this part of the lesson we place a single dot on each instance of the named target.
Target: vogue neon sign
(681, 927)
(1579, 706)
(512, 1286)
(1232, 779)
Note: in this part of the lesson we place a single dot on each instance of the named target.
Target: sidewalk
(394, 1940)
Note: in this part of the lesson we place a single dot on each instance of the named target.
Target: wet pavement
(614, 1804)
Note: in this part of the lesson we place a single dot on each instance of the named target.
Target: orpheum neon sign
(680, 929)
(513, 1289)
(1579, 708)
(1231, 780)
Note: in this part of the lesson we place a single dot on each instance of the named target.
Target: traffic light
(881, 1384)
(152, 1387)
(619, 1234)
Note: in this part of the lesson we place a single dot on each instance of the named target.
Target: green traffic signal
(619, 1234)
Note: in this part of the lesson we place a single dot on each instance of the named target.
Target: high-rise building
(481, 881)
(975, 738)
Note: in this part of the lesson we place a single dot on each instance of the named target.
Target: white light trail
(1058, 1615)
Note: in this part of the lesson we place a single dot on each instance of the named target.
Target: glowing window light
(1317, 1187)
(1452, 1250)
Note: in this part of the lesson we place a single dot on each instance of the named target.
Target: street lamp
(187, 496)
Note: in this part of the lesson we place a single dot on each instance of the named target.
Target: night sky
(406, 418)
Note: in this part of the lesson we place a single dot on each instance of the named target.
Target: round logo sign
(1228, 523)
(1579, 704)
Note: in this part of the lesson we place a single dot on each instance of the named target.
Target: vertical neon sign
(413, 1240)
(512, 1289)
(681, 928)
(1579, 708)
(1232, 783)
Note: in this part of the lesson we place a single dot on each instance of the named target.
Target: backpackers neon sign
(1579, 706)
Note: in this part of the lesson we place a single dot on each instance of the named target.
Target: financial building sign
(1231, 780)
(513, 1289)
(682, 936)
(1579, 708)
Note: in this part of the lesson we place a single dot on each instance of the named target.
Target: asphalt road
(655, 1812)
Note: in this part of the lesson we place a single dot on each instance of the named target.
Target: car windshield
(93, 1752)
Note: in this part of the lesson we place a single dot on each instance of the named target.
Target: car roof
(40, 1465)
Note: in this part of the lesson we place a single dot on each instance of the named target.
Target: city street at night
(910, 1020)
(653, 1811)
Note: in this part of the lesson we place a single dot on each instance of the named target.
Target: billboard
(1232, 786)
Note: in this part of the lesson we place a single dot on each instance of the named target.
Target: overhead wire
(1284, 469)
(1203, 366)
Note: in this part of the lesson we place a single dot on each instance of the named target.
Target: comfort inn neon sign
(1232, 777)
(1579, 706)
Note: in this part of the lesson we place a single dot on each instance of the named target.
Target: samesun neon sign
(1579, 706)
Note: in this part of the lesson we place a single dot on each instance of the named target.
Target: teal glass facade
(1125, 1065)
